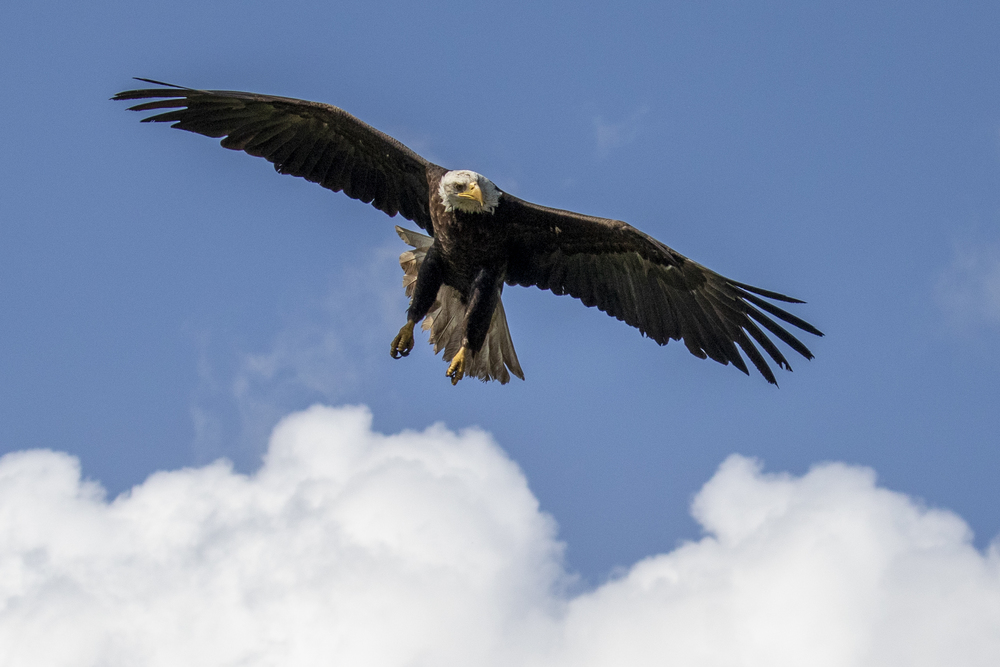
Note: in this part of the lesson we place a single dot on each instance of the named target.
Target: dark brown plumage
(456, 281)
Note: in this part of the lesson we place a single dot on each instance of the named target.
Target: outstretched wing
(318, 142)
(635, 278)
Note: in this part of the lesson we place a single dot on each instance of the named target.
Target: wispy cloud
(351, 547)
(610, 135)
(968, 290)
(324, 353)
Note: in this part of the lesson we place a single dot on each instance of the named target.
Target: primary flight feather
(481, 237)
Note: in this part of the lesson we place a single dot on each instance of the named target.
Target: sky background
(166, 302)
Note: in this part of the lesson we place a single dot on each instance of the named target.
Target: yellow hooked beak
(473, 193)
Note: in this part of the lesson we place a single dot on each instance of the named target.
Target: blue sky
(166, 302)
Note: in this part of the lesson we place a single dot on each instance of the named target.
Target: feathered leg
(429, 281)
(485, 295)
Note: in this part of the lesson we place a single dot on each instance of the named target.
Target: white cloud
(969, 288)
(350, 547)
(611, 135)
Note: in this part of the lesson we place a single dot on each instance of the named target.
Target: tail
(445, 318)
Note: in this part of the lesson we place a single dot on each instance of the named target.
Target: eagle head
(468, 191)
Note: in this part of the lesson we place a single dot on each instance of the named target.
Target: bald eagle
(480, 238)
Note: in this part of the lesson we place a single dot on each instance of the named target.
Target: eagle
(480, 238)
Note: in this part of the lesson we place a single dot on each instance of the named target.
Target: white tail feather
(446, 316)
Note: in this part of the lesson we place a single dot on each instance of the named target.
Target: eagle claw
(402, 344)
(456, 371)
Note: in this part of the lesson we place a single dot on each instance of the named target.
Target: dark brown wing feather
(318, 142)
(635, 278)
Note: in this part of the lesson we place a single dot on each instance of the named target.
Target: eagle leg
(456, 370)
(402, 344)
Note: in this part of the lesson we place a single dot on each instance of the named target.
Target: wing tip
(161, 83)
(144, 93)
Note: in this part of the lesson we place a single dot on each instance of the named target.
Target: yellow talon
(456, 371)
(402, 344)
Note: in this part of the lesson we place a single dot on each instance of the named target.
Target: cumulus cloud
(351, 547)
(969, 288)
